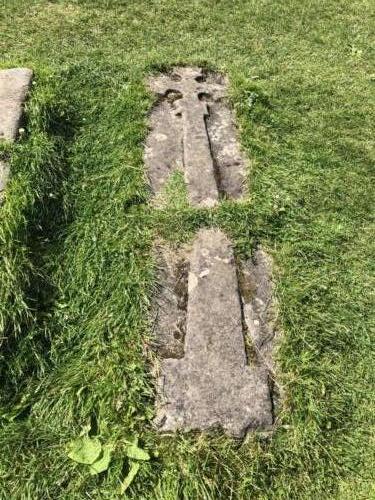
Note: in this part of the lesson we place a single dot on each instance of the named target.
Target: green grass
(76, 233)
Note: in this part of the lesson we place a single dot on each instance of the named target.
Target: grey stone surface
(192, 130)
(14, 84)
(212, 385)
(169, 311)
(4, 175)
(259, 306)
(226, 150)
(163, 151)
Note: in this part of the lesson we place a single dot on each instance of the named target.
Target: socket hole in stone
(177, 335)
(172, 95)
(204, 96)
(175, 77)
(201, 78)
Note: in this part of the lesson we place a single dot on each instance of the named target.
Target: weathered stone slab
(14, 84)
(213, 385)
(192, 130)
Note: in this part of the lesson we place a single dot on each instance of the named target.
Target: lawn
(76, 234)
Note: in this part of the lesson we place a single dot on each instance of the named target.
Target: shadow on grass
(41, 229)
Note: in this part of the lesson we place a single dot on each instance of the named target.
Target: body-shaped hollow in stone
(212, 384)
(192, 129)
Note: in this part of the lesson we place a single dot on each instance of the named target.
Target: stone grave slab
(14, 85)
(210, 306)
(192, 129)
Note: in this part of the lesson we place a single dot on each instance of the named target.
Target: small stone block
(14, 85)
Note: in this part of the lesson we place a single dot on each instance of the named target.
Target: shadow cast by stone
(44, 223)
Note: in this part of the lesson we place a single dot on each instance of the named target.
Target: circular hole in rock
(177, 335)
(200, 78)
(175, 77)
(204, 96)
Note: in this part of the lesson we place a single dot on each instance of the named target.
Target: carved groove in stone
(14, 85)
(212, 383)
(170, 303)
(192, 130)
